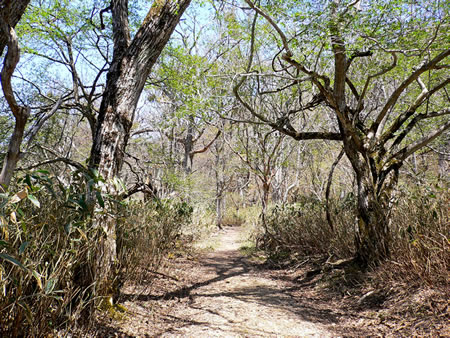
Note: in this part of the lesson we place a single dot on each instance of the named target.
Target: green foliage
(185, 85)
(45, 240)
(48, 246)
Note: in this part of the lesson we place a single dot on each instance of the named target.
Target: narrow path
(235, 301)
(226, 297)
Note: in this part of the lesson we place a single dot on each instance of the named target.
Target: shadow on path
(225, 283)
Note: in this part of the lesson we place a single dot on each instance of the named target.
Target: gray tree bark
(15, 12)
(131, 64)
(10, 14)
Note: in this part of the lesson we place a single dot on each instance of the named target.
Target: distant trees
(181, 91)
(380, 68)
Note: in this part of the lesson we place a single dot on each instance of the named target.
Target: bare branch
(370, 77)
(65, 160)
(426, 65)
(328, 188)
(39, 123)
(107, 9)
(205, 148)
(414, 122)
(358, 54)
(143, 131)
(413, 147)
(402, 118)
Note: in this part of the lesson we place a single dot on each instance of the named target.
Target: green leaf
(34, 201)
(100, 199)
(28, 181)
(23, 246)
(50, 285)
(82, 203)
(12, 260)
(42, 171)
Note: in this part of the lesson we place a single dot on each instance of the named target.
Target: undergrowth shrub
(420, 231)
(301, 229)
(48, 246)
(44, 243)
(149, 231)
(232, 218)
(251, 215)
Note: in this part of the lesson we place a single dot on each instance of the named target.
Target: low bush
(420, 232)
(45, 242)
(147, 232)
(48, 244)
(302, 229)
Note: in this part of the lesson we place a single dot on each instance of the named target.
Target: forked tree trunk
(130, 67)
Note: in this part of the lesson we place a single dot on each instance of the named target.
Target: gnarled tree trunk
(372, 228)
(130, 67)
(10, 14)
(374, 194)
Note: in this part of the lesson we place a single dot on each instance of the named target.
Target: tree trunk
(265, 197)
(372, 237)
(375, 189)
(8, 20)
(220, 183)
(15, 12)
(130, 67)
(219, 209)
(13, 154)
(188, 144)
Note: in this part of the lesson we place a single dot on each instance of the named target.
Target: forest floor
(222, 292)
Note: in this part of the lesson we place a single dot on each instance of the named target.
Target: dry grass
(420, 238)
(420, 233)
(48, 244)
(301, 229)
(147, 233)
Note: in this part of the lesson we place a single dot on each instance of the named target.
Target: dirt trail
(221, 294)
(228, 298)
(231, 300)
